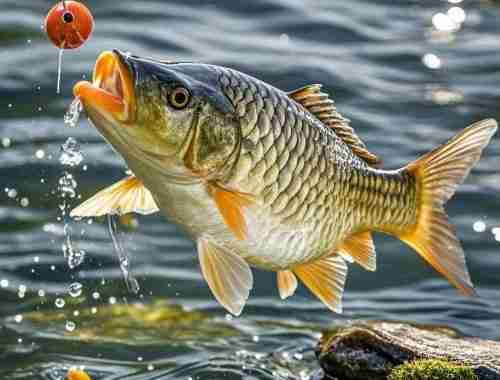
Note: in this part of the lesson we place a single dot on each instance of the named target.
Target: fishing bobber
(69, 24)
(77, 374)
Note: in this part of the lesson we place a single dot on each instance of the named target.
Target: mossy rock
(432, 370)
(374, 351)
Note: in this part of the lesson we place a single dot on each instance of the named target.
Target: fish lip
(112, 90)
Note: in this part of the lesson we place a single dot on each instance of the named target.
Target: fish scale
(304, 173)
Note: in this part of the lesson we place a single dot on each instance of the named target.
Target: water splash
(70, 153)
(132, 283)
(72, 115)
(67, 188)
(70, 157)
(74, 256)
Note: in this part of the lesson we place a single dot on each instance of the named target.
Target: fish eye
(179, 97)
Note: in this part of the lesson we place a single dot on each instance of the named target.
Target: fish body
(265, 178)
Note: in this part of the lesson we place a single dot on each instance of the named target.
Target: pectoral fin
(361, 248)
(228, 275)
(125, 196)
(287, 283)
(325, 278)
(231, 205)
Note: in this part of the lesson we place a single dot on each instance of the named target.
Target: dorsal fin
(321, 106)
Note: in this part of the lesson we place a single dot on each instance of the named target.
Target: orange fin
(438, 175)
(287, 283)
(125, 196)
(326, 279)
(227, 274)
(360, 247)
(231, 205)
(320, 105)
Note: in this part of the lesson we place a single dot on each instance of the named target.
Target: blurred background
(409, 74)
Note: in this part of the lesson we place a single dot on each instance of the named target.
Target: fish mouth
(111, 91)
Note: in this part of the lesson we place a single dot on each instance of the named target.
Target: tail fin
(438, 174)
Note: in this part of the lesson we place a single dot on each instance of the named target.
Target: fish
(268, 179)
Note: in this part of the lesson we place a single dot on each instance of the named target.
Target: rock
(373, 351)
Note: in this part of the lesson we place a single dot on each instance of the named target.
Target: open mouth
(112, 87)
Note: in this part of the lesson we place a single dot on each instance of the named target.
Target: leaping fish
(263, 178)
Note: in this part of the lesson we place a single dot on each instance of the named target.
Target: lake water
(408, 74)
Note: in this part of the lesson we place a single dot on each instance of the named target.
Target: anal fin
(325, 278)
(125, 196)
(361, 248)
(287, 283)
(227, 274)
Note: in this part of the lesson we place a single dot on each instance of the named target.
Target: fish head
(171, 116)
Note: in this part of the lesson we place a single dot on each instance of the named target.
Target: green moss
(432, 370)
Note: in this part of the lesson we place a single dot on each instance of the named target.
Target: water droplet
(70, 153)
(139, 359)
(432, 61)
(75, 258)
(25, 202)
(6, 142)
(457, 14)
(4, 283)
(19, 340)
(112, 300)
(40, 154)
(36, 259)
(41, 293)
(479, 226)
(18, 318)
(59, 302)
(444, 23)
(67, 186)
(96, 295)
(12, 193)
(255, 338)
(70, 326)
(73, 114)
(93, 310)
(75, 289)
(76, 313)
(22, 288)
(151, 367)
